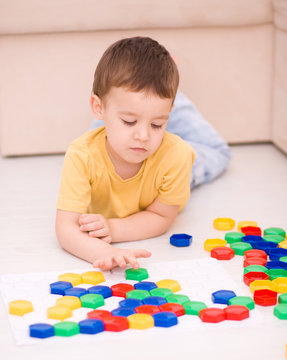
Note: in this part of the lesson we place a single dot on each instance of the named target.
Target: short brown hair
(137, 63)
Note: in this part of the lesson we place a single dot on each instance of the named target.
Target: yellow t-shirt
(90, 184)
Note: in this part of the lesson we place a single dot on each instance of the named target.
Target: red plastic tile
(116, 323)
(255, 261)
(147, 309)
(265, 297)
(255, 253)
(254, 275)
(212, 315)
(178, 309)
(121, 289)
(251, 230)
(222, 253)
(236, 312)
(99, 314)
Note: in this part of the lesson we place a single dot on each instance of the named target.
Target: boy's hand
(120, 257)
(96, 225)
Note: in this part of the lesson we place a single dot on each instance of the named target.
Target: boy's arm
(93, 250)
(153, 221)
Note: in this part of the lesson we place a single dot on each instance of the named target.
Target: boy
(129, 179)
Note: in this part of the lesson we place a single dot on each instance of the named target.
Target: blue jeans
(212, 152)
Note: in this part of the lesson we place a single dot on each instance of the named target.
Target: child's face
(135, 123)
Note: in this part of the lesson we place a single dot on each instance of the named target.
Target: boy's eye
(128, 123)
(155, 126)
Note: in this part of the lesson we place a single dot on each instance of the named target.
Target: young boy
(129, 179)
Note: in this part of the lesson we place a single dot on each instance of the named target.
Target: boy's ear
(97, 107)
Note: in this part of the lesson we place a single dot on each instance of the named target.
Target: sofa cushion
(37, 16)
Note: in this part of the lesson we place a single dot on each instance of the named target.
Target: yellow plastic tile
(246, 223)
(59, 312)
(224, 224)
(71, 302)
(173, 285)
(93, 277)
(283, 244)
(262, 284)
(20, 307)
(210, 244)
(140, 321)
(75, 279)
(281, 284)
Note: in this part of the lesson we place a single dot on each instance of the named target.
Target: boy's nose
(142, 133)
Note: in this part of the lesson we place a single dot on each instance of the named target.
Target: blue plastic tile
(122, 311)
(222, 296)
(76, 292)
(154, 300)
(180, 240)
(59, 287)
(41, 330)
(145, 285)
(91, 326)
(165, 319)
(277, 253)
(130, 303)
(105, 291)
(276, 265)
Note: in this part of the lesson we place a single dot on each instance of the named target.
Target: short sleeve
(75, 187)
(175, 182)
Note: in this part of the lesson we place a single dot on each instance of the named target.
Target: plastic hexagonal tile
(280, 311)
(20, 307)
(224, 224)
(72, 302)
(59, 312)
(74, 279)
(165, 319)
(116, 323)
(236, 312)
(265, 297)
(180, 240)
(66, 328)
(240, 247)
(140, 321)
(210, 244)
(243, 300)
(254, 261)
(178, 299)
(178, 309)
(99, 314)
(281, 284)
(93, 277)
(147, 309)
(262, 284)
(173, 285)
(137, 294)
(136, 274)
(222, 296)
(252, 276)
(222, 253)
(282, 299)
(92, 301)
(194, 307)
(212, 315)
(121, 289)
(59, 287)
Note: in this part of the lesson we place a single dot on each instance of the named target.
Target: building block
(193, 307)
(154, 300)
(280, 311)
(41, 330)
(273, 238)
(242, 300)
(244, 223)
(121, 289)
(103, 290)
(180, 240)
(59, 287)
(283, 244)
(262, 284)
(277, 253)
(222, 253)
(20, 307)
(282, 299)
(212, 315)
(173, 285)
(222, 296)
(137, 294)
(178, 309)
(210, 244)
(165, 319)
(275, 273)
(233, 236)
(236, 312)
(254, 261)
(93, 277)
(178, 299)
(66, 328)
(140, 321)
(121, 311)
(99, 314)
(281, 284)
(91, 326)
(145, 285)
(224, 224)
(266, 246)
(251, 230)
(240, 247)
(76, 291)
(276, 265)
(255, 253)
(136, 274)
(253, 240)
(59, 312)
(259, 268)
(275, 231)
(116, 323)
(252, 276)
(92, 301)
(130, 303)
(162, 292)
(265, 297)
(74, 279)
(147, 309)
(71, 302)
(283, 258)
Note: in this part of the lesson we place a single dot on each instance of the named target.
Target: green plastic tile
(162, 292)
(242, 300)
(92, 301)
(276, 273)
(177, 298)
(283, 258)
(273, 238)
(136, 274)
(280, 311)
(282, 299)
(255, 268)
(194, 307)
(137, 294)
(240, 247)
(66, 328)
(275, 231)
(233, 236)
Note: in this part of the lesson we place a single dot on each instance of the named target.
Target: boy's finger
(108, 263)
(95, 225)
(119, 259)
(141, 253)
(132, 260)
(100, 233)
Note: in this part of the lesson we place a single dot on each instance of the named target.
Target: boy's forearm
(142, 225)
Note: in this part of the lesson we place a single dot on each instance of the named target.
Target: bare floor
(253, 188)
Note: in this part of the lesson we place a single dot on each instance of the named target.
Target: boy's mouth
(139, 150)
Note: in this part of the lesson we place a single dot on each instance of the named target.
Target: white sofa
(232, 57)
